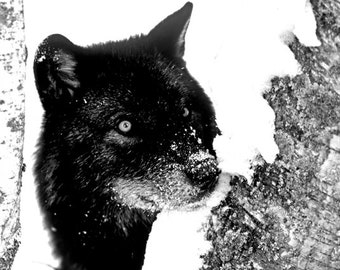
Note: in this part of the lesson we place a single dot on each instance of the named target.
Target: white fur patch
(181, 39)
(66, 70)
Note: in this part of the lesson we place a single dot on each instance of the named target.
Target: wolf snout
(202, 169)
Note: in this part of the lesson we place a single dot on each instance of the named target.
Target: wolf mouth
(171, 190)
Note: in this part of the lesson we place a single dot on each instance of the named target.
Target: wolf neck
(112, 237)
(129, 241)
(118, 244)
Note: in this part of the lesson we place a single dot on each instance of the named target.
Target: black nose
(202, 169)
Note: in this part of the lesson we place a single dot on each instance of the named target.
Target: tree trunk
(288, 215)
(12, 75)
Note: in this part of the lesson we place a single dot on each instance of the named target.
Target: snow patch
(178, 237)
(235, 67)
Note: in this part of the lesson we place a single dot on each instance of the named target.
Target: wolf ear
(169, 35)
(55, 71)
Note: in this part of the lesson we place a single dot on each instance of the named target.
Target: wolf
(127, 132)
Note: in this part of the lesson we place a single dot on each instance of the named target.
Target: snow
(233, 48)
(181, 232)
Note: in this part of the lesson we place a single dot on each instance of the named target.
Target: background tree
(12, 75)
(288, 215)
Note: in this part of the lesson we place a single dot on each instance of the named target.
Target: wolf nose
(202, 168)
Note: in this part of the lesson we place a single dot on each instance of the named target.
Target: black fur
(127, 132)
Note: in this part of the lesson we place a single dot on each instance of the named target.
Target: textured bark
(12, 74)
(288, 215)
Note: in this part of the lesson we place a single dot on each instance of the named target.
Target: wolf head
(125, 123)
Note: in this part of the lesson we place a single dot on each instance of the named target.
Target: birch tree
(12, 75)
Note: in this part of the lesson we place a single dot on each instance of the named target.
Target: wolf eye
(125, 126)
(186, 112)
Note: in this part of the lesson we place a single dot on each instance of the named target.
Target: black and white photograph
(170, 135)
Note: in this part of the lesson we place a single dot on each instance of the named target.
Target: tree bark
(288, 215)
(12, 75)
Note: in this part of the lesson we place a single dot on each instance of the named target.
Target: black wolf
(127, 132)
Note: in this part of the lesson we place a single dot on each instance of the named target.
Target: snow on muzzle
(169, 185)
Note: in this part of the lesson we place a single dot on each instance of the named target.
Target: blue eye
(125, 126)
(186, 112)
